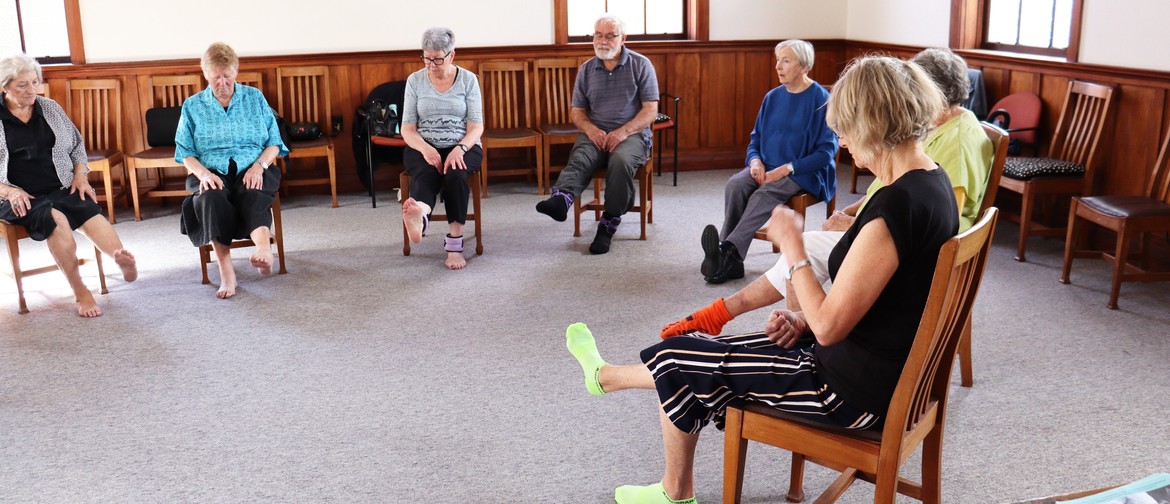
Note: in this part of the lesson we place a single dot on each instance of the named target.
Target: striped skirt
(697, 376)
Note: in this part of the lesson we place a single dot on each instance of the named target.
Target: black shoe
(602, 241)
(731, 266)
(555, 206)
(711, 252)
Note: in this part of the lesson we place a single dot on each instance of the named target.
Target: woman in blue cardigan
(791, 150)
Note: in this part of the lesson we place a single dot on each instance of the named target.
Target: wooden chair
(1129, 217)
(507, 115)
(554, 95)
(1082, 119)
(95, 106)
(254, 79)
(999, 138)
(12, 235)
(798, 203)
(161, 91)
(206, 255)
(475, 182)
(644, 207)
(917, 412)
(303, 95)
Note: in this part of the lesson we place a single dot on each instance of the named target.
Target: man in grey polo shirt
(615, 100)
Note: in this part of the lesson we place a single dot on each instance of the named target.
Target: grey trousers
(620, 165)
(747, 206)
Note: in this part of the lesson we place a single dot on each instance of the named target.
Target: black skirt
(38, 221)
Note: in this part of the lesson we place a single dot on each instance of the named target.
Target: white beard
(603, 54)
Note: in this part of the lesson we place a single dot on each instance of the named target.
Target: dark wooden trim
(969, 30)
(73, 25)
(696, 23)
(561, 22)
(1074, 32)
(698, 20)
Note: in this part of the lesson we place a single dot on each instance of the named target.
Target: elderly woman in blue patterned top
(227, 139)
(442, 120)
(43, 184)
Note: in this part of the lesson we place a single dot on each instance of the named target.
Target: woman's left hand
(777, 174)
(786, 230)
(254, 177)
(454, 160)
(82, 188)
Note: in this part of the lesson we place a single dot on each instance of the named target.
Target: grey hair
(803, 51)
(611, 19)
(438, 39)
(949, 71)
(12, 66)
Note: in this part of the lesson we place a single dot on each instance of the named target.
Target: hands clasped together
(454, 159)
(607, 141)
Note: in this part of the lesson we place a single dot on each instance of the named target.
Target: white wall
(910, 22)
(1127, 33)
(133, 30)
(777, 19)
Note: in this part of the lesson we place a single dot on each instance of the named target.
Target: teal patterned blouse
(215, 136)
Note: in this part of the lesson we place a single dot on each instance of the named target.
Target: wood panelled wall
(721, 84)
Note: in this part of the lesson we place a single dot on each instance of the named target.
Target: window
(46, 30)
(1044, 27)
(645, 19)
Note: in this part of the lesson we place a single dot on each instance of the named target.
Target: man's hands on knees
(613, 139)
(785, 328)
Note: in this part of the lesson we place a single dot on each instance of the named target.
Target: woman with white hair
(228, 139)
(791, 150)
(43, 184)
(442, 120)
(838, 361)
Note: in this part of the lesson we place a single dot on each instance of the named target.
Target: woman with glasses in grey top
(442, 120)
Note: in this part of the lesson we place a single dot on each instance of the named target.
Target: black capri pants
(427, 182)
(229, 213)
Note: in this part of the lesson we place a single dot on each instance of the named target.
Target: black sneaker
(602, 241)
(711, 252)
(555, 206)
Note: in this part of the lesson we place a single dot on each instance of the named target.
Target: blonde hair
(17, 64)
(880, 103)
(219, 55)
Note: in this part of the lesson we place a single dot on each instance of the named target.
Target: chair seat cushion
(94, 155)
(1024, 168)
(559, 129)
(156, 153)
(509, 133)
(307, 144)
(1127, 206)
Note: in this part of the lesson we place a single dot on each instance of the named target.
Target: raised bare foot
(128, 264)
(262, 261)
(414, 214)
(86, 306)
(455, 261)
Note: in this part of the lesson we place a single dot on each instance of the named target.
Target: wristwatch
(263, 164)
(464, 147)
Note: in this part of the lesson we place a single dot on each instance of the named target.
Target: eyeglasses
(435, 61)
(607, 36)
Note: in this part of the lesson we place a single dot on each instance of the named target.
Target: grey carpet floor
(367, 376)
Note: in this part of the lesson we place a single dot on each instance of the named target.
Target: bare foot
(455, 261)
(128, 264)
(413, 213)
(262, 261)
(227, 282)
(86, 306)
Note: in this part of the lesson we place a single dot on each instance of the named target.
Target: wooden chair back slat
(172, 90)
(1159, 188)
(1000, 139)
(254, 79)
(506, 94)
(95, 106)
(303, 94)
(1082, 120)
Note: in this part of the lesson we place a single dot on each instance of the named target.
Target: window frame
(695, 24)
(73, 30)
(969, 27)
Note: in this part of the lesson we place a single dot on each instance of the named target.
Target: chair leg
(1026, 202)
(97, 258)
(966, 377)
(931, 467)
(577, 211)
(475, 202)
(1070, 240)
(204, 260)
(133, 175)
(333, 175)
(643, 194)
(734, 456)
(14, 256)
(542, 169)
(103, 166)
(540, 160)
(796, 481)
(278, 235)
(1120, 260)
(483, 169)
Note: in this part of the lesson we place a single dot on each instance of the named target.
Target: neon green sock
(584, 348)
(649, 494)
